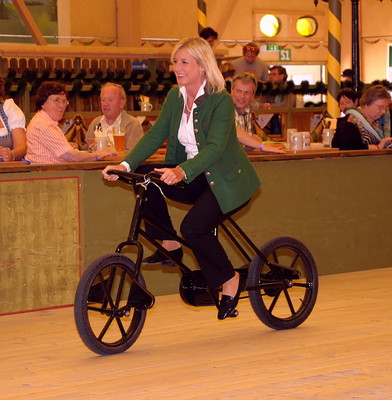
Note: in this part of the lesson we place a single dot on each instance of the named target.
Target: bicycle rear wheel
(109, 310)
(283, 292)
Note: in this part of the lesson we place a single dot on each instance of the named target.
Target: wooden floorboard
(343, 351)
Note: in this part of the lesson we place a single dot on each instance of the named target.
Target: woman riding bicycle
(197, 119)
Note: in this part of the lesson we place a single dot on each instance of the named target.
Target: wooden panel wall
(39, 241)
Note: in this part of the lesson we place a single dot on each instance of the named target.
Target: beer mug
(289, 133)
(145, 106)
(296, 141)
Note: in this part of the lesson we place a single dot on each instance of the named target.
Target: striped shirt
(46, 142)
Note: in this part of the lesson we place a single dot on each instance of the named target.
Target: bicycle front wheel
(107, 317)
(284, 291)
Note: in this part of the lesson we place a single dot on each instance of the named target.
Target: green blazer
(221, 157)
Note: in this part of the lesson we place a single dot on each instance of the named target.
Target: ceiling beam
(29, 22)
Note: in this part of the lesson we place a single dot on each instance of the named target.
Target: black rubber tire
(291, 297)
(103, 323)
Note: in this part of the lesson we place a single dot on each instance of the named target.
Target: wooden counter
(255, 156)
(56, 219)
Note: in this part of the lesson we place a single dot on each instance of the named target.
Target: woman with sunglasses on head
(197, 120)
(46, 143)
(12, 129)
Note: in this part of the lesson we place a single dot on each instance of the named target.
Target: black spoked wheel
(284, 291)
(108, 315)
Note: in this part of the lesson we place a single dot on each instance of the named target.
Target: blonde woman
(197, 119)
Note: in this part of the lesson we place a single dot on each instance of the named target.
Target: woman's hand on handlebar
(118, 167)
(171, 176)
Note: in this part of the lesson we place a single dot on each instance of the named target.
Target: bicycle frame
(136, 230)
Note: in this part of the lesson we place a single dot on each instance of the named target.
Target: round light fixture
(306, 26)
(270, 25)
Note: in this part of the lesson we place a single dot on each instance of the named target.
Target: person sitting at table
(347, 98)
(113, 100)
(248, 132)
(272, 123)
(12, 128)
(46, 143)
(360, 128)
(197, 121)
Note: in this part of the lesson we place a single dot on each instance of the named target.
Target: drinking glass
(327, 137)
(289, 133)
(306, 140)
(119, 139)
(296, 141)
(100, 143)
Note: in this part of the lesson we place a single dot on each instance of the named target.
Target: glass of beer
(119, 139)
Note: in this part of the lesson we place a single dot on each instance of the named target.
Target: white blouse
(16, 118)
(186, 135)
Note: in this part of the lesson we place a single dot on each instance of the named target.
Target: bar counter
(56, 219)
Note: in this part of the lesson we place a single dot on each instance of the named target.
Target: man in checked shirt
(249, 134)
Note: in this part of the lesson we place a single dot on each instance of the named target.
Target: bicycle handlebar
(134, 178)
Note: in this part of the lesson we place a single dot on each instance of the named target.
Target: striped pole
(201, 15)
(334, 48)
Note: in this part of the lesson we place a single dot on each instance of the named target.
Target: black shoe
(228, 304)
(160, 258)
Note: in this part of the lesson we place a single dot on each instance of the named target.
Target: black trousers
(197, 226)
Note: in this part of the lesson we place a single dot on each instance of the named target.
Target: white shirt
(186, 135)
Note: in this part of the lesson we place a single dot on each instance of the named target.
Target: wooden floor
(343, 351)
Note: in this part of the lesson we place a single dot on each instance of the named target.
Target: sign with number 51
(285, 55)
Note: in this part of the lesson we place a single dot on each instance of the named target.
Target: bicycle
(112, 300)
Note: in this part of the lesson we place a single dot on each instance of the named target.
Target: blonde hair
(201, 51)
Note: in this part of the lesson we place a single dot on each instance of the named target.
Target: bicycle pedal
(233, 314)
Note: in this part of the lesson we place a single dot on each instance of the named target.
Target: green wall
(339, 207)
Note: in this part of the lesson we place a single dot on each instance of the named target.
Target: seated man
(113, 101)
(248, 132)
(272, 123)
